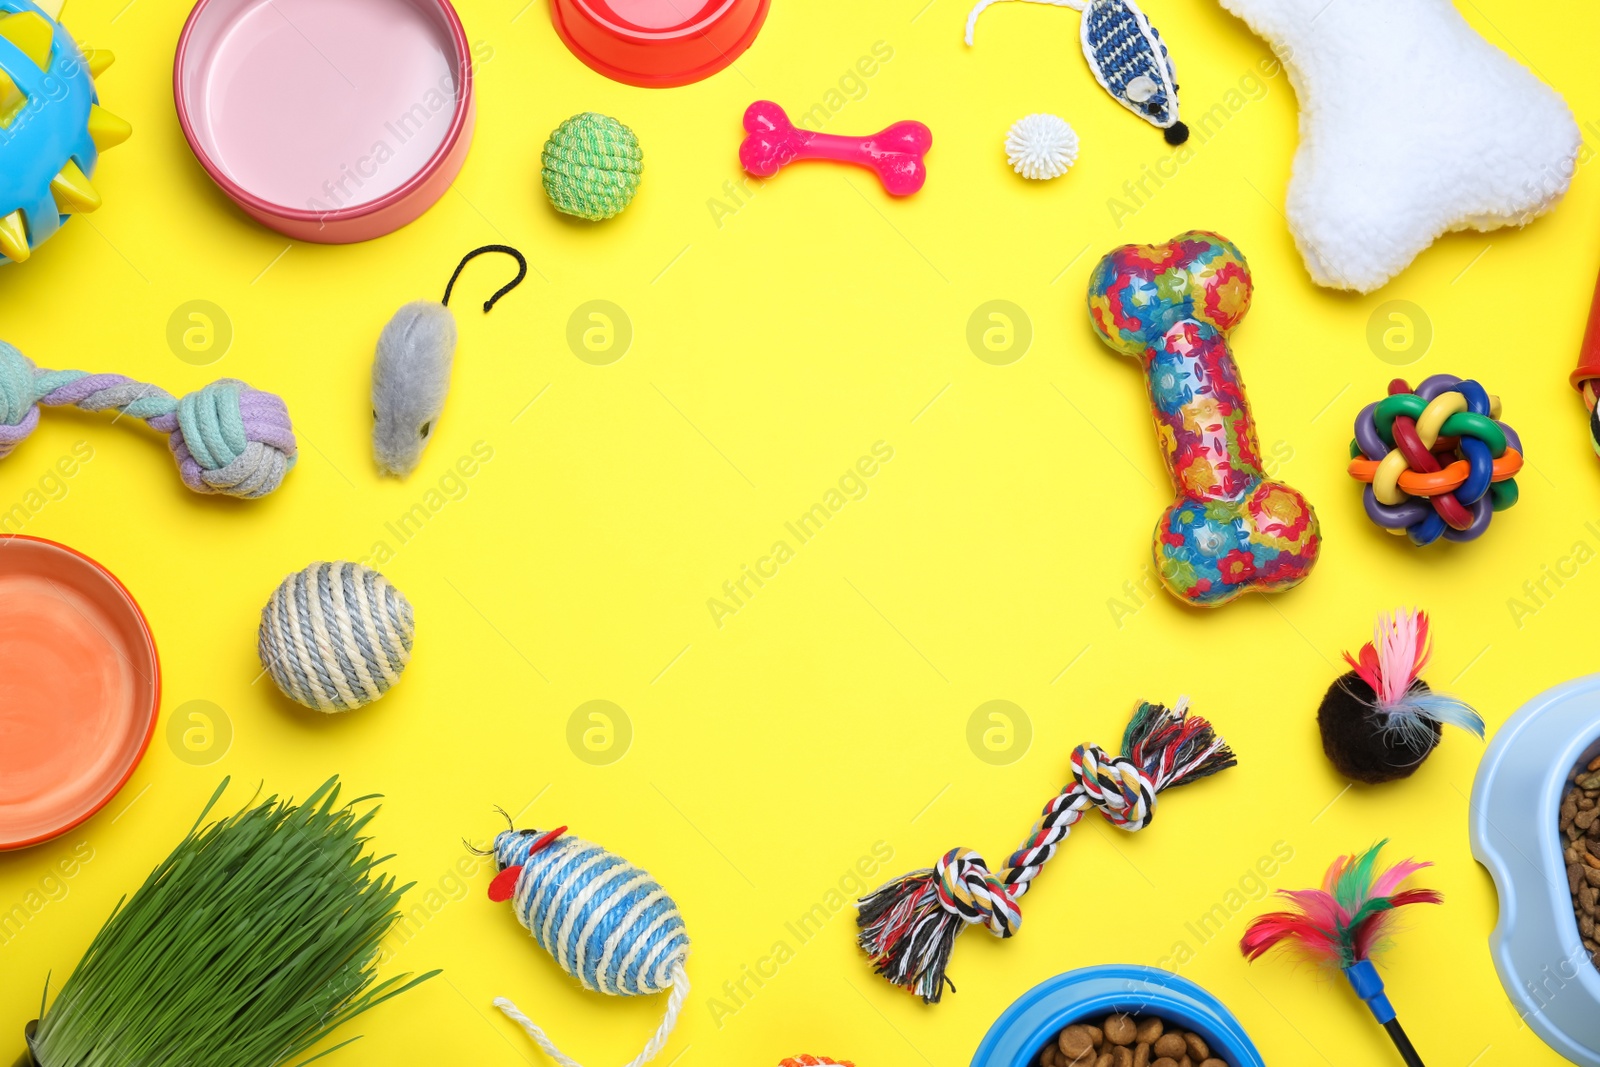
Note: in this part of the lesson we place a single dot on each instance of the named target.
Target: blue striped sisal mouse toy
(607, 923)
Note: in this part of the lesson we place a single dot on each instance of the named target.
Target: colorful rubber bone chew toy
(1232, 530)
(1588, 372)
(52, 127)
(605, 921)
(909, 926)
(896, 154)
(1380, 720)
(226, 438)
(1127, 57)
(1436, 462)
(1342, 924)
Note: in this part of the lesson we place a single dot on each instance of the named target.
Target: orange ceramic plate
(79, 686)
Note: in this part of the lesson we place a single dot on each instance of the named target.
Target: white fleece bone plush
(1411, 126)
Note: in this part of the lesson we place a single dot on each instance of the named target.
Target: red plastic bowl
(80, 684)
(658, 43)
(328, 120)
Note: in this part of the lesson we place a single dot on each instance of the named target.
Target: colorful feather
(1395, 656)
(1346, 921)
(1391, 664)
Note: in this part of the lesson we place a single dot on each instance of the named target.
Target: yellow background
(829, 714)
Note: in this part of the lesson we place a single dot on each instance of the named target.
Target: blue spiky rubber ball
(52, 127)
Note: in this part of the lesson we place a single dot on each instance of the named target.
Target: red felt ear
(504, 884)
(546, 840)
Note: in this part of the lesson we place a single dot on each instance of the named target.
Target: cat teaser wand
(1343, 923)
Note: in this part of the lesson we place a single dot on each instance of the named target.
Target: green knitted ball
(591, 166)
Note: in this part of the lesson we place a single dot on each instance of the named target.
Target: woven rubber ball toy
(335, 636)
(591, 166)
(1437, 462)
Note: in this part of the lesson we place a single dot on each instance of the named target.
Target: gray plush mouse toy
(411, 374)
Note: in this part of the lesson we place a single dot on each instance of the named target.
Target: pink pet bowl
(327, 120)
(658, 43)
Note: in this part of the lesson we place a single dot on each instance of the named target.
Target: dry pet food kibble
(1122, 1040)
(1170, 1046)
(1119, 1029)
(1580, 830)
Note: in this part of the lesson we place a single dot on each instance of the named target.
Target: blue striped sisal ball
(607, 923)
(335, 636)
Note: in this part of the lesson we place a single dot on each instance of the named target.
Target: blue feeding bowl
(1089, 994)
(1515, 827)
(52, 127)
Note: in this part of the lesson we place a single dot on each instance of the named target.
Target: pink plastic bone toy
(896, 153)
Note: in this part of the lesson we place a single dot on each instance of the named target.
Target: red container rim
(615, 67)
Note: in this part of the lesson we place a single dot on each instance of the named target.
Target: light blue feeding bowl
(1091, 993)
(1516, 834)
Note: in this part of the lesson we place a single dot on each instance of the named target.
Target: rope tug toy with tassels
(606, 922)
(227, 437)
(909, 926)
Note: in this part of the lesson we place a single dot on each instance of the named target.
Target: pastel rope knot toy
(1232, 529)
(1437, 462)
(909, 926)
(227, 438)
(335, 636)
(815, 1061)
(606, 922)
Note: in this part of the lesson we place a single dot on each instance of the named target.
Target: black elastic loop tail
(522, 272)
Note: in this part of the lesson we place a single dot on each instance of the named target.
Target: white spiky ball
(1041, 146)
